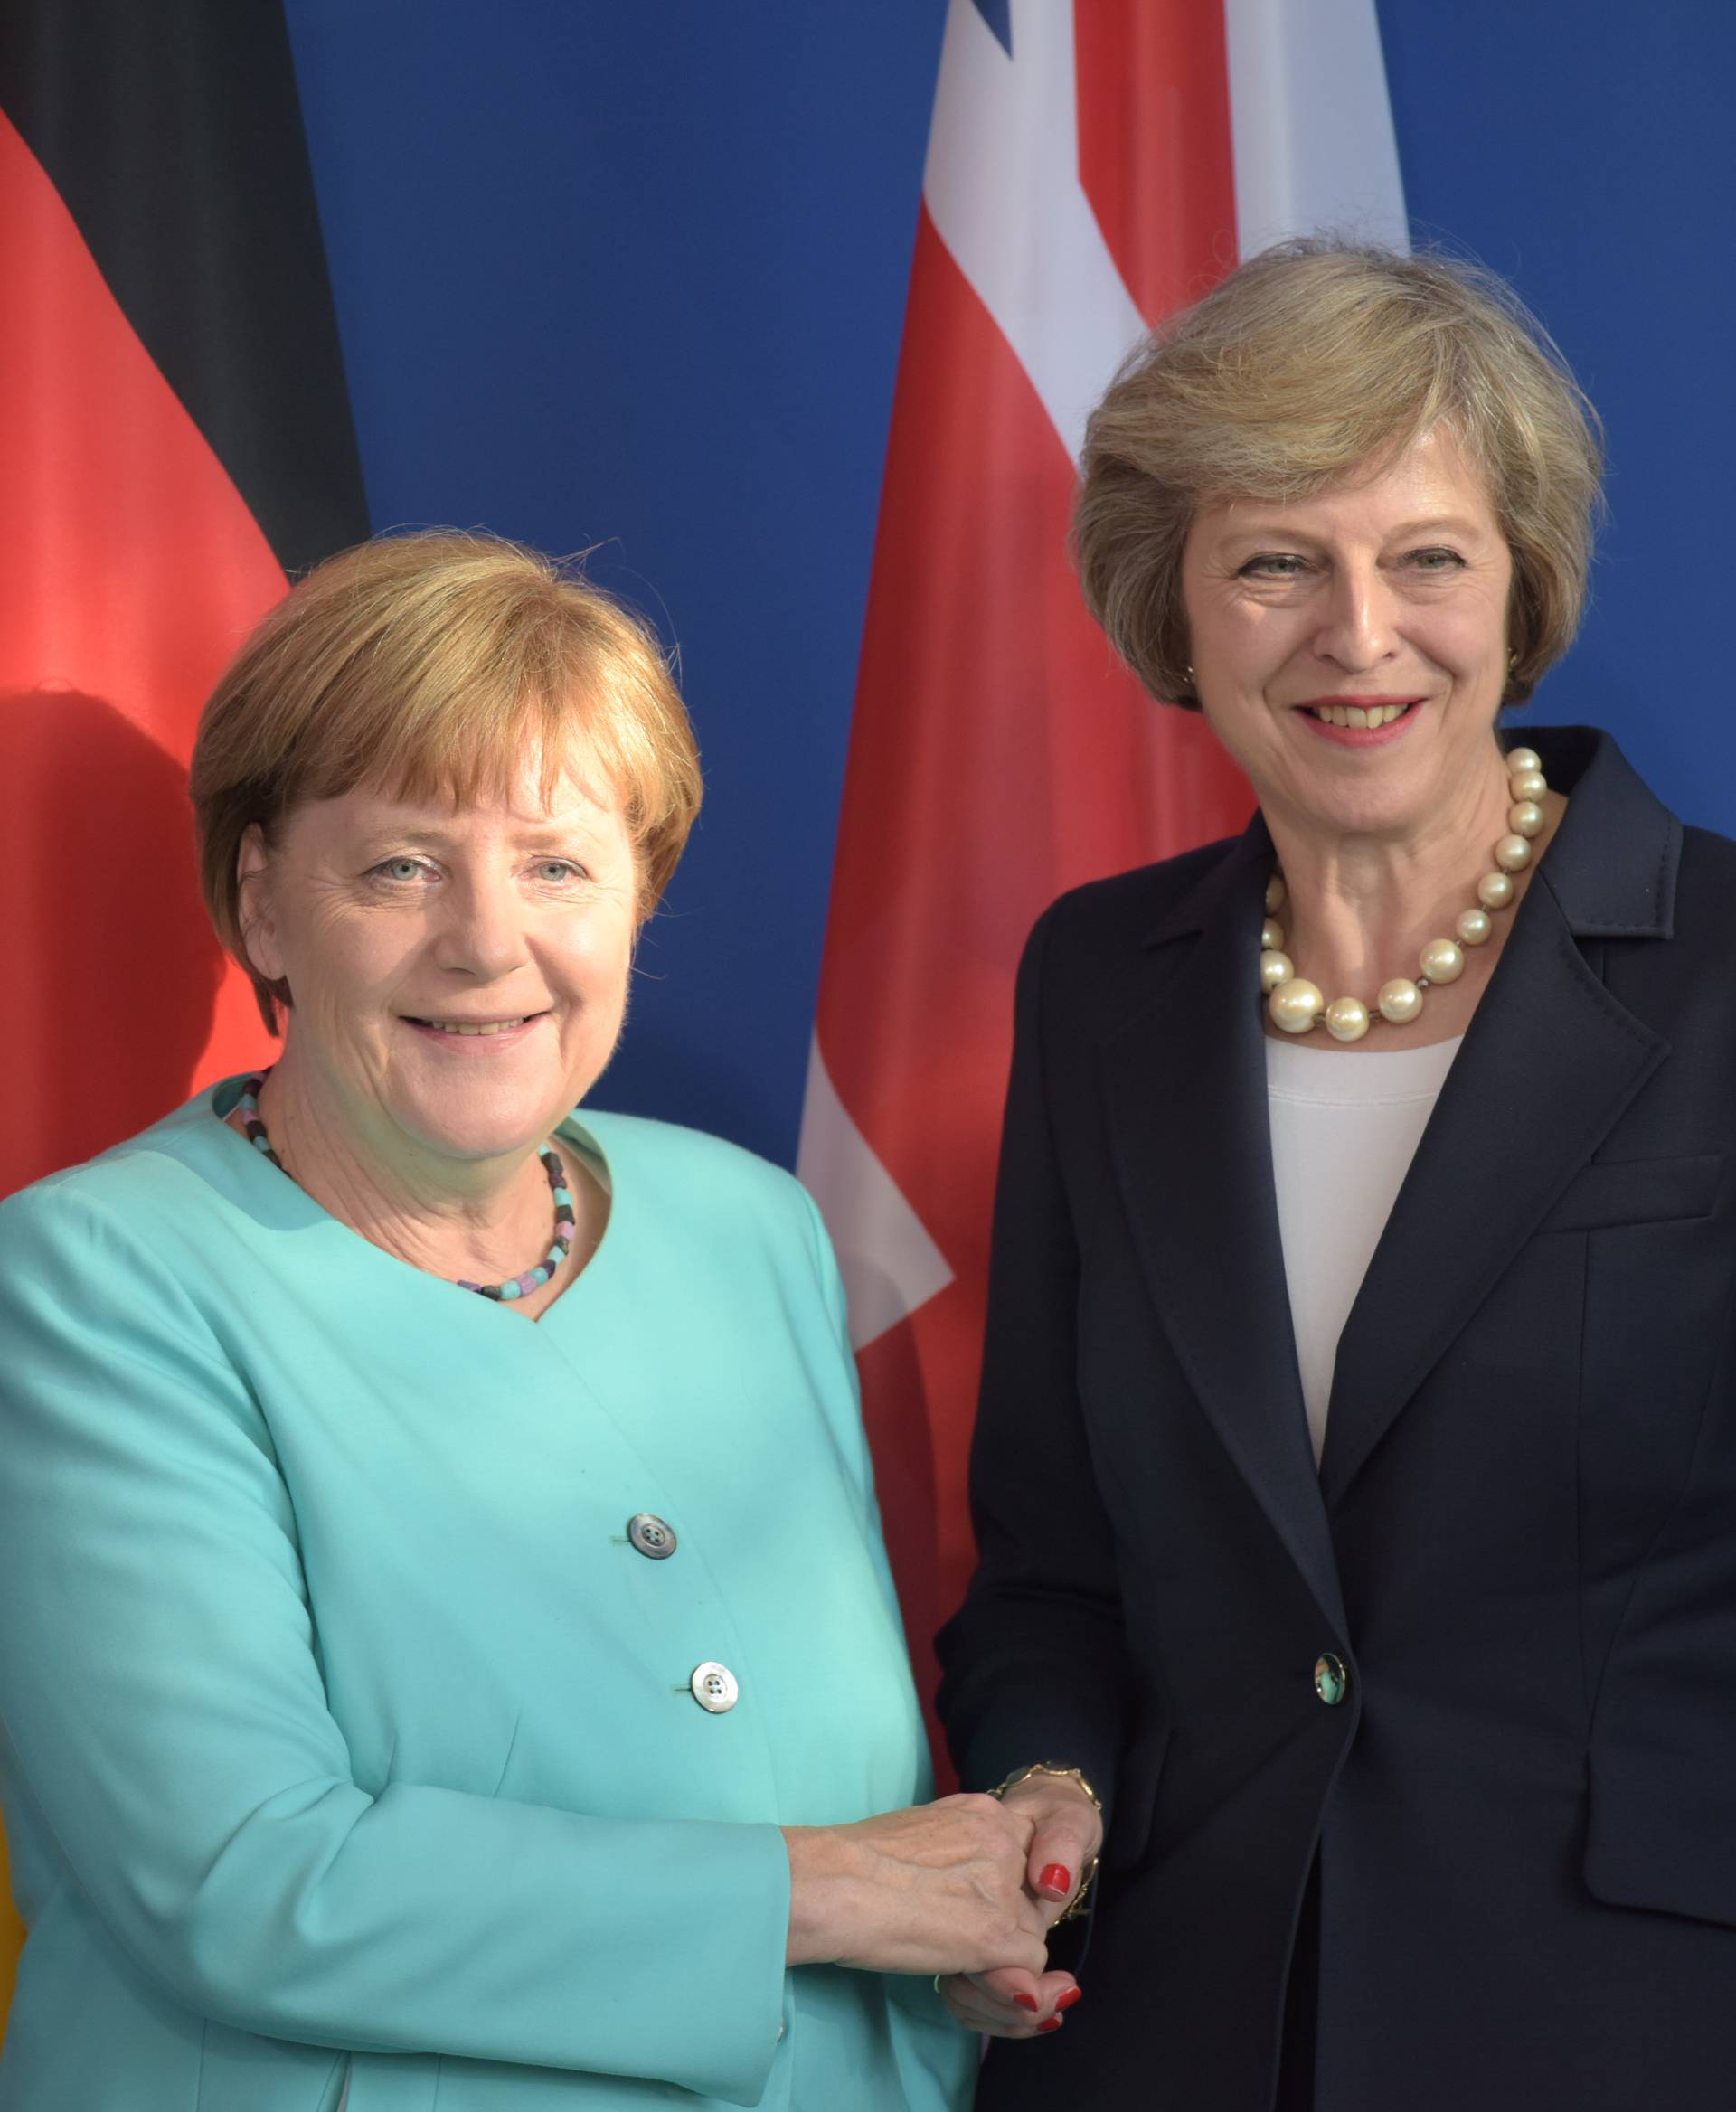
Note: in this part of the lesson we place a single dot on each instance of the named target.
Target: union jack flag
(1093, 165)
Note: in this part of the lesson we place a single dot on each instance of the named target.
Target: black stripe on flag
(172, 130)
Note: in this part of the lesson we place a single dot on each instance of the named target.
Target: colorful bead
(514, 1287)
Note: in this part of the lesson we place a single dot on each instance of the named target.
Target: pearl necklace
(1296, 1003)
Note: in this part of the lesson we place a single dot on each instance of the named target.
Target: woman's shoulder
(1709, 863)
(141, 1244)
(1699, 907)
(147, 1180)
(1143, 899)
(666, 1156)
(1087, 946)
(732, 1214)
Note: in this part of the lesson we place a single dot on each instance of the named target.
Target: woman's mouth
(1359, 721)
(469, 1030)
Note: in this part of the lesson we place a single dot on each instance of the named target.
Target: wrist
(1038, 1775)
(1059, 1791)
(820, 1888)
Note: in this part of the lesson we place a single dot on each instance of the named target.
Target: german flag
(174, 439)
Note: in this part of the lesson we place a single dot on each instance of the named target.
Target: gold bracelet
(1076, 1905)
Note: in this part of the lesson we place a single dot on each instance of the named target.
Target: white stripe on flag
(889, 1263)
(1312, 147)
(1001, 187)
(1311, 124)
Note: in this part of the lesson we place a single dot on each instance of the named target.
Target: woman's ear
(253, 899)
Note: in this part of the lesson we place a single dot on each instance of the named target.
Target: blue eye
(1437, 561)
(556, 869)
(401, 871)
(1273, 565)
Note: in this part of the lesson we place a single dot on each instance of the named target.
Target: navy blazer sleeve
(1034, 1662)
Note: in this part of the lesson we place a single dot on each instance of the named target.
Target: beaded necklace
(514, 1287)
(1295, 1004)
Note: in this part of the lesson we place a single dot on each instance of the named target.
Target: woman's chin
(494, 1125)
(1394, 796)
(1391, 812)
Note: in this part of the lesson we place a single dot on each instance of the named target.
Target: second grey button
(651, 1535)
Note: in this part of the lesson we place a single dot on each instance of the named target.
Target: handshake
(965, 1888)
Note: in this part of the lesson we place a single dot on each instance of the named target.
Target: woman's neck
(475, 1220)
(1360, 909)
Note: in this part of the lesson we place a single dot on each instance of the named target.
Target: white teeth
(1354, 715)
(498, 1027)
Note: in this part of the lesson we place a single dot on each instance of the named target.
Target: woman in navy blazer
(1405, 1665)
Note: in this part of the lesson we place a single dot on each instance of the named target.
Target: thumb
(1060, 1852)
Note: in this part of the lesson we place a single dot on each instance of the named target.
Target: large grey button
(652, 1535)
(715, 1688)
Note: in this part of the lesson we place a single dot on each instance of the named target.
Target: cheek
(1472, 641)
(349, 955)
(594, 962)
(1248, 642)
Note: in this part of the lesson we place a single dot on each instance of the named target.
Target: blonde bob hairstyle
(432, 665)
(1313, 364)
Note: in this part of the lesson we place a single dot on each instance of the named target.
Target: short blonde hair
(432, 663)
(1312, 362)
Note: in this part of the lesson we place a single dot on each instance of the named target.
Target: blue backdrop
(632, 277)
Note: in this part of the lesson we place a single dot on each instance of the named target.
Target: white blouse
(1344, 1129)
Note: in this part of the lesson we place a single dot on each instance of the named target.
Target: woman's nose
(482, 930)
(1359, 622)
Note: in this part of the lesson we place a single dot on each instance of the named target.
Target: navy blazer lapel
(1550, 1063)
(1185, 1085)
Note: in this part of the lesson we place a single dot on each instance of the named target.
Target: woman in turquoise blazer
(427, 1688)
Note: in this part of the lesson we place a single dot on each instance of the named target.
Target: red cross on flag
(1093, 164)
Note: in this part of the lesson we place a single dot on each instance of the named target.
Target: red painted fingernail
(1056, 1880)
(1050, 2024)
(1028, 2001)
(1070, 1998)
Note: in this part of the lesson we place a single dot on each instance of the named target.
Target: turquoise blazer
(348, 1738)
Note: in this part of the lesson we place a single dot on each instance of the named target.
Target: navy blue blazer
(1521, 1541)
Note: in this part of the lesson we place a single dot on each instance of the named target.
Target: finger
(1060, 1852)
(1025, 1947)
(1057, 1992)
(1013, 1988)
(1036, 1997)
(980, 2012)
(997, 2027)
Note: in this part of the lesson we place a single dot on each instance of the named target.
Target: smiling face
(459, 976)
(1350, 650)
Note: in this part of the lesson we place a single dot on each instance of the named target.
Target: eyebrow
(552, 829)
(1278, 530)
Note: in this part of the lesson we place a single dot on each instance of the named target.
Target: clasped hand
(965, 1888)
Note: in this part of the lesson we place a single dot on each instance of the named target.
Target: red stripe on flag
(998, 755)
(132, 571)
(1155, 157)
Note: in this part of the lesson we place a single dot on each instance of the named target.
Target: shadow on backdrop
(107, 957)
